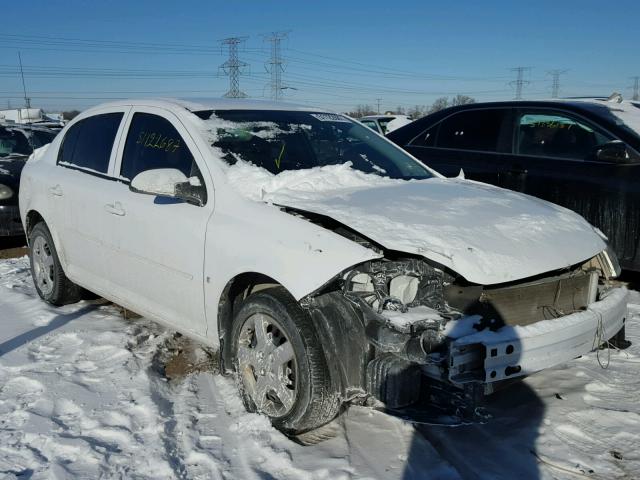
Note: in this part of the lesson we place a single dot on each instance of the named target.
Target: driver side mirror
(615, 152)
(169, 183)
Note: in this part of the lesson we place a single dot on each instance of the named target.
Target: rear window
(88, 143)
(472, 130)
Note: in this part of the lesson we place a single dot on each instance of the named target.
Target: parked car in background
(322, 262)
(17, 142)
(384, 124)
(583, 154)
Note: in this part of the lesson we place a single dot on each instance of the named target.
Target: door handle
(115, 209)
(518, 170)
(56, 191)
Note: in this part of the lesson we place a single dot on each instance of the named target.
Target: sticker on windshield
(329, 117)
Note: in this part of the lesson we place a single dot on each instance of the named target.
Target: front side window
(88, 143)
(153, 142)
(293, 140)
(556, 135)
(472, 130)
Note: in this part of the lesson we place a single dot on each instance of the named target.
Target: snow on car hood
(486, 234)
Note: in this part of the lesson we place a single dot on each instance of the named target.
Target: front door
(557, 152)
(157, 252)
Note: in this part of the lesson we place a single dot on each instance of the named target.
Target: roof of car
(197, 105)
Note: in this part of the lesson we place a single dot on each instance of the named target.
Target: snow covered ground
(82, 395)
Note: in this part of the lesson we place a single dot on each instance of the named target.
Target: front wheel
(50, 281)
(280, 363)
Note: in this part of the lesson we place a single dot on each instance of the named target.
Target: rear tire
(49, 278)
(282, 370)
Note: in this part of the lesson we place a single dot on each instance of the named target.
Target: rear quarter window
(88, 143)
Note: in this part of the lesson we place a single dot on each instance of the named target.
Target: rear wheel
(50, 281)
(280, 363)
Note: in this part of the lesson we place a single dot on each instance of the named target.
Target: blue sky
(339, 54)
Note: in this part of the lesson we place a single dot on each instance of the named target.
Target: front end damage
(395, 325)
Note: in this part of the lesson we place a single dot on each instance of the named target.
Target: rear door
(77, 192)
(557, 151)
(477, 141)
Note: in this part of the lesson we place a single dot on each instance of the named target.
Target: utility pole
(519, 82)
(378, 100)
(275, 66)
(27, 100)
(233, 67)
(555, 86)
(636, 87)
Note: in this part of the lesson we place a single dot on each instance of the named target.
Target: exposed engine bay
(402, 318)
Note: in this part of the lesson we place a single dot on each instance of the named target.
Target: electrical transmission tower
(233, 67)
(520, 82)
(555, 86)
(275, 66)
(636, 87)
(378, 100)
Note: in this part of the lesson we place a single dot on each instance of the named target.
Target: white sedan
(325, 264)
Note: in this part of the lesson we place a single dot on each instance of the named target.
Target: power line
(275, 66)
(519, 82)
(233, 67)
(555, 86)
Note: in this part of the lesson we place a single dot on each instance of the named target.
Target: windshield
(13, 143)
(290, 140)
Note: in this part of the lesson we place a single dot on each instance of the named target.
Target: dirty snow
(82, 396)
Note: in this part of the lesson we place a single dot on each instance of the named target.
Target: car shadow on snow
(58, 321)
(502, 446)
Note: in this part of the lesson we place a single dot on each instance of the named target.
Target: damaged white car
(327, 265)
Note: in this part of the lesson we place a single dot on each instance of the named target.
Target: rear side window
(88, 143)
(152, 142)
(472, 130)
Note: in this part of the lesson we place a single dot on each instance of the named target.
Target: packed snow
(83, 395)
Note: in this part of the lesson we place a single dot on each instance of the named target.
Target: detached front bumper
(10, 223)
(514, 351)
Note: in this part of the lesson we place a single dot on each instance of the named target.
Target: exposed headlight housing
(5, 192)
(398, 284)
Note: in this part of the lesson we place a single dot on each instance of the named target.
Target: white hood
(486, 234)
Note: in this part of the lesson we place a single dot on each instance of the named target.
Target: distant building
(31, 115)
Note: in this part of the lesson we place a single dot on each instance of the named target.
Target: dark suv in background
(17, 142)
(582, 154)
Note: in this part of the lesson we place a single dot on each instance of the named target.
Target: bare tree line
(416, 111)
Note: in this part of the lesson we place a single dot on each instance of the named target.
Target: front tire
(50, 281)
(280, 363)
